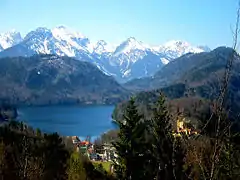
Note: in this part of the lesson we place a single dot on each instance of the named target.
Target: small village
(107, 153)
(86, 147)
(103, 154)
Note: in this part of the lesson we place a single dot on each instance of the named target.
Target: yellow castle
(181, 128)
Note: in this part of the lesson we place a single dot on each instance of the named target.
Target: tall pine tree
(164, 154)
(130, 146)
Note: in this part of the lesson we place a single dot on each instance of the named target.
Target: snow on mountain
(128, 52)
(60, 40)
(130, 59)
(72, 39)
(164, 61)
(9, 39)
(130, 45)
(177, 48)
(38, 40)
(103, 47)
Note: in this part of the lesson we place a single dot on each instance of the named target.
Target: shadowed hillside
(48, 79)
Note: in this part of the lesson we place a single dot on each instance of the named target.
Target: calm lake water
(79, 121)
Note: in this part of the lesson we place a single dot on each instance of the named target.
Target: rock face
(51, 79)
(125, 61)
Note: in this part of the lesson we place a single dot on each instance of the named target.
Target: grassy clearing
(106, 165)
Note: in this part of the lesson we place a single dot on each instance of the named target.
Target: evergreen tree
(179, 154)
(130, 146)
(162, 142)
(55, 157)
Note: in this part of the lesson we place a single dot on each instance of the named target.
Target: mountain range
(125, 61)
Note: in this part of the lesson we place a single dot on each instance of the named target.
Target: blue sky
(200, 22)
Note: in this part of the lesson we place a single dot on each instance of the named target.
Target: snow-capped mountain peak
(10, 39)
(60, 40)
(65, 32)
(39, 33)
(72, 38)
(182, 46)
(131, 40)
(176, 48)
(130, 59)
(131, 44)
(42, 30)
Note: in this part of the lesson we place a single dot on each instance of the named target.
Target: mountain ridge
(122, 61)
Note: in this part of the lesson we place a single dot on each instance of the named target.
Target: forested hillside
(49, 79)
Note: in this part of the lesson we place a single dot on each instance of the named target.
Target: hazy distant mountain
(50, 79)
(130, 59)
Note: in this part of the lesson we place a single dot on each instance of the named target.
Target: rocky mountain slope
(51, 79)
(130, 59)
